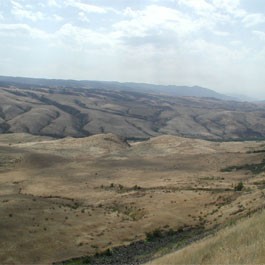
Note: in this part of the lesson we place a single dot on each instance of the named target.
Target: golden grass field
(67, 198)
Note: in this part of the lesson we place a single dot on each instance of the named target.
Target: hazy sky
(219, 44)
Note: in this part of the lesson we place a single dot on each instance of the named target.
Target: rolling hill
(61, 108)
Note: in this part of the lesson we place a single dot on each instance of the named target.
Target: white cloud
(228, 5)
(82, 17)
(217, 11)
(19, 11)
(88, 8)
(29, 11)
(84, 38)
(195, 42)
(259, 34)
(198, 5)
(130, 13)
(231, 7)
(235, 43)
(156, 18)
(53, 3)
(221, 33)
(251, 20)
(57, 18)
(22, 29)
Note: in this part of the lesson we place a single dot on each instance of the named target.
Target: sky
(218, 44)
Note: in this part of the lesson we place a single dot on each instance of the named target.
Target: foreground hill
(66, 111)
(96, 193)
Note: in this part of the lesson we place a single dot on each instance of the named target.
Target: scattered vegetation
(138, 252)
(212, 178)
(254, 168)
(256, 151)
(120, 188)
(232, 245)
(127, 212)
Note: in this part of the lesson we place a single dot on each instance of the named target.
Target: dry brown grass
(242, 243)
(67, 198)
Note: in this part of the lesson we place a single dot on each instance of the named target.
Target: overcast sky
(218, 44)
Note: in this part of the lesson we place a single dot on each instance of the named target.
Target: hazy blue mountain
(169, 90)
(242, 98)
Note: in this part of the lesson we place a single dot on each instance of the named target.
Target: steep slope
(242, 243)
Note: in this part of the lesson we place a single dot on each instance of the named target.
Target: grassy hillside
(242, 243)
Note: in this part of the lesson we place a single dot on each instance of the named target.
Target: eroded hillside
(81, 112)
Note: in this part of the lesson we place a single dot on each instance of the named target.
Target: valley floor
(67, 198)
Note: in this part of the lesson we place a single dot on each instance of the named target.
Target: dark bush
(239, 186)
(157, 233)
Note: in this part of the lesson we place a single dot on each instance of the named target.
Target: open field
(67, 198)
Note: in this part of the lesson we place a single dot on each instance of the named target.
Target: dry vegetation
(241, 243)
(66, 198)
(62, 111)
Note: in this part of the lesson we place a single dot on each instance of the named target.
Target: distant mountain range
(63, 108)
(170, 90)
